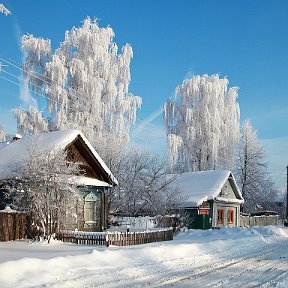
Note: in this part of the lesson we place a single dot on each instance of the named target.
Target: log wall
(12, 225)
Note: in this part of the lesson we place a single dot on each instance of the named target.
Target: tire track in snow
(191, 271)
(281, 280)
(252, 262)
(119, 276)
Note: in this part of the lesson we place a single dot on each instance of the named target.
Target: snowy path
(261, 267)
(237, 257)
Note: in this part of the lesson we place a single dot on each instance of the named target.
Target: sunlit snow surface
(229, 257)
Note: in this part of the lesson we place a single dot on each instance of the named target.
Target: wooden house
(211, 199)
(93, 183)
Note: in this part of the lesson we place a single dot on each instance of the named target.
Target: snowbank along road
(229, 257)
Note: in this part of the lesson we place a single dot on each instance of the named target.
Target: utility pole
(287, 195)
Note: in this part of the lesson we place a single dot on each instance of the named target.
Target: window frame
(220, 212)
(230, 216)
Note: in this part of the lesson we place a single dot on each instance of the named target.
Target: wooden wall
(12, 225)
(247, 221)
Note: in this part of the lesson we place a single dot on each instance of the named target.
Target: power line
(44, 93)
(49, 83)
(41, 79)
(20, 85)
(32, 74)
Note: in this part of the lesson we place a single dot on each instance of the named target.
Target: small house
(92, 185)
(211, 199)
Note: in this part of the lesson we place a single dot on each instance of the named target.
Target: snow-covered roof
(8, 209)
(197, 187)
(15, 154)
(88, 181)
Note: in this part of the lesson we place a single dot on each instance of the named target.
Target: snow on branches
(202, 124)
(44, 184)
(4, 10)
(85, 82)
(30, 121)
(144, 186)
(257, 188)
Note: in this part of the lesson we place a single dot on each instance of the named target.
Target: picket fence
(115, 238)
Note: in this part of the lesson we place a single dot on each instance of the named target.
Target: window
(203, 211)
(230, 216)
(90, 208)
(89, 212)
(220, 216)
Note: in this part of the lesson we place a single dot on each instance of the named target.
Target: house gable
(79, 152)
(227, 190)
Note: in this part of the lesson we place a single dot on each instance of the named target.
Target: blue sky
(245, 40)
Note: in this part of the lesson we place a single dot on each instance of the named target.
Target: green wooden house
(92, 185)
(211, 199)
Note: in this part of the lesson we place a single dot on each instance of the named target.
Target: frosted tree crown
(202, 124)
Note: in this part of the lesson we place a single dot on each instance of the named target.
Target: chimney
(17, 137)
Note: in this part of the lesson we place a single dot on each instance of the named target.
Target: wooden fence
(246, 221)
(115, 238)
(135, 238)
(12, 225)
(86, 238)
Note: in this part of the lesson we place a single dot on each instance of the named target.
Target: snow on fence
(116, 238)
(79, 237)
(12, 224)
(246, 221)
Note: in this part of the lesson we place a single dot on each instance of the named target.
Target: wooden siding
(247, 221)
(227, 190)
(12, 225)
(74, 155)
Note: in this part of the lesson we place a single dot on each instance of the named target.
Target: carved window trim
(220, 216)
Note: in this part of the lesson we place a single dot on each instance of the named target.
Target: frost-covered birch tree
(251, 159)
(253, 179)
(202, 124)
(86, 84)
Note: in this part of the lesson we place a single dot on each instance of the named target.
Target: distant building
(211, 199)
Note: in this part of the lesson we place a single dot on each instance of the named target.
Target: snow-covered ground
(229, 257)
